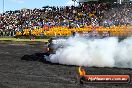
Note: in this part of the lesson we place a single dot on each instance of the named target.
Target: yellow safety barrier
(65, 31)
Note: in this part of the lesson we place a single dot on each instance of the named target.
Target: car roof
(59, 37)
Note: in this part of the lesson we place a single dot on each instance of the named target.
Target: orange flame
(81, 71)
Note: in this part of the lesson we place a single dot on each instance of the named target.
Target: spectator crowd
(40, 20)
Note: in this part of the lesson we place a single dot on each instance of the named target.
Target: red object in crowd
(46, 27)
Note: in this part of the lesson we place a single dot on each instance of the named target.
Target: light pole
(74, 2)
(3, 6)
(120, 1)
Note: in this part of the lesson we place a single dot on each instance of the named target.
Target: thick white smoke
(107, 52)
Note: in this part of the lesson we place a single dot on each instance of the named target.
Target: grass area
(23, 40)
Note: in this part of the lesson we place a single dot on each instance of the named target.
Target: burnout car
(56, 43)
(53, 44)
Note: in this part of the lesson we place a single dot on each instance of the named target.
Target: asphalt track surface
(15, 73)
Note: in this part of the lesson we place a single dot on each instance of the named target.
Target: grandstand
(62, 21)
(118, 1)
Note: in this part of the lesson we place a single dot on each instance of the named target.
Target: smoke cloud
(107, 52)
